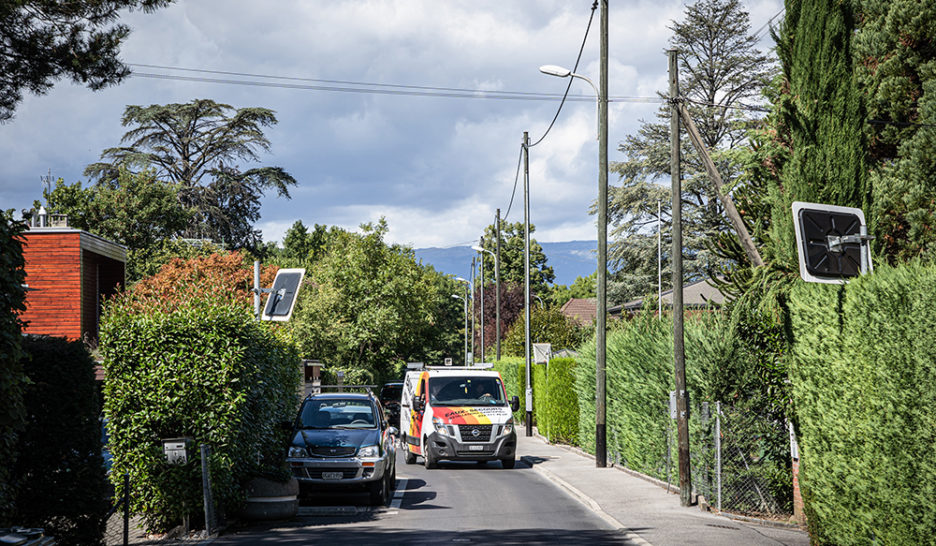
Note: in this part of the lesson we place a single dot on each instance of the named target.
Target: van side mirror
(418, 403)
(515, 403)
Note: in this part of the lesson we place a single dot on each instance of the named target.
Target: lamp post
(468, 290)
(601, 453)
(465, 300)
(542, 305)
(497, 294)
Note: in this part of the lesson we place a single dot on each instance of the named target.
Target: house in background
(68, 272)
(697, 295)
(581, 310)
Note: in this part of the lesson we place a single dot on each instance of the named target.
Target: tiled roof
(582, 310)
(697, 294)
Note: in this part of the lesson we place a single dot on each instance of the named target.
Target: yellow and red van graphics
(469, 415)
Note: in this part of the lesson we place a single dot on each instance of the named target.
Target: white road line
(398, 493)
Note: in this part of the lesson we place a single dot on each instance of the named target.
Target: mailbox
(176, 449)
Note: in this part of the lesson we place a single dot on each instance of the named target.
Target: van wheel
(508, 463)
(408, 456)
(428, 460)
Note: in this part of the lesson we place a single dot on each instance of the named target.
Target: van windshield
(466, 391)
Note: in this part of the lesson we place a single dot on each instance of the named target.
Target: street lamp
(601, 453)
(464, 299)
(542, 305)
(496, 295)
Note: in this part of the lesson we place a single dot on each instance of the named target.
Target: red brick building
(68, 272)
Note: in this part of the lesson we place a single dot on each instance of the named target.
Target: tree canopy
(719, 68)
(197, 145)
(42, 42)
(511, 258)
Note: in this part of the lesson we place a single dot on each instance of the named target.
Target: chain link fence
(740, 460)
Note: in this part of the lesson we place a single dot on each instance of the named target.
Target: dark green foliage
(546, 326)
(562, 403)
(863, 371)
(823, 113)
(61, 485)
(513, 372)
(12, 298)
(203, 369)
(45, 41)
(895, 54)
(540, 402)
(136, 210)
(196, 145)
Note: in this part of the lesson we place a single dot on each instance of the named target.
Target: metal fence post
(206, 489)
(718, 452)
(126, 506)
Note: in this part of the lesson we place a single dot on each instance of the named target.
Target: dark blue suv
(343, 440)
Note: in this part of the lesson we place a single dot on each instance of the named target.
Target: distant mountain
(569, 259)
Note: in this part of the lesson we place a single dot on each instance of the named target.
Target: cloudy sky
(436, 167)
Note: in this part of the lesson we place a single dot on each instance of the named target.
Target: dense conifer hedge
(864, 367)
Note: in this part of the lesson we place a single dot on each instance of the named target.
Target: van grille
(468, 433)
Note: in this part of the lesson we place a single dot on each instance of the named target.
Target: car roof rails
(368, 388)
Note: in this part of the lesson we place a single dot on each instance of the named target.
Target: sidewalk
(646, 512)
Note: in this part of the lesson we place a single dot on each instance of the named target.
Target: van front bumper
(444, 446)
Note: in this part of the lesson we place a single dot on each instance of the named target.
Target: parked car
(390, 399)
(343, 440)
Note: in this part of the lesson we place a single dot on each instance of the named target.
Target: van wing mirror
(418, 403)
(514, 403)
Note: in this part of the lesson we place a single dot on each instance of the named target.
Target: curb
(587, 501)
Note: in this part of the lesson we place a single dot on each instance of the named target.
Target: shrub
(513, 372)
(863, 370)
(562, 411)
(202, 369)
(61, 486)
(12, 297)
(540, 403)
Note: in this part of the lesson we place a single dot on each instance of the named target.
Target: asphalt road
(460, 503)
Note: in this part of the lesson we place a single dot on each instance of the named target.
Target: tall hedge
(12, 298)
(538, 374)
(205, 370)
(513, 372)
(864, 366)
(61, 483)
(562, 403)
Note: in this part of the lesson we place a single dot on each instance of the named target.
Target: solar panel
(828, 241)
(282, 298)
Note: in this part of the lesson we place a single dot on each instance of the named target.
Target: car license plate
(475, 448)
(332, 475)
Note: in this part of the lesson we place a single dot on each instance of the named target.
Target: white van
(465, 417)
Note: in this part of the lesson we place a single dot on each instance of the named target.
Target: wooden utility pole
(747, 243)
(682, 395)
(601, 444)
(497, 284)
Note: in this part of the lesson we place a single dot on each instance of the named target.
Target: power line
(516, 177)
(382, 89)
(757, 33)
(574, 68)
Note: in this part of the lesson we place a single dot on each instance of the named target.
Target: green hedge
(538, 373)
(12, 298)
(205, 370)
(562, 403)
(863, 370)
(61, 486)
(513, 372)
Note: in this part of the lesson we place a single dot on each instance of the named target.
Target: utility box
(177, 449)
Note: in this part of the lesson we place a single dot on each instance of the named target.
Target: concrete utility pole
(747, 243)
(682, 395)
(497, 282)
(473, 309)
(601, 444)
(526, 281)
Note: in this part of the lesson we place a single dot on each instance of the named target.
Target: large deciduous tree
(197, 145)
(720, 68)
(42, 41)
(367, 307)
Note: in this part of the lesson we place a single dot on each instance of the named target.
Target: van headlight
(298, 452)
(368, 451)
(440, 426)
(508, 426)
